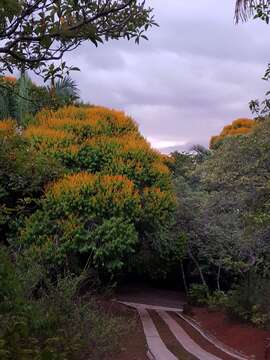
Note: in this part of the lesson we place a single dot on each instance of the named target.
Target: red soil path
(133, 345)
(240, 336)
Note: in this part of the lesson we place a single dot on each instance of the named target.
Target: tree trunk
(198, 267)
(184, 277)
(218, 277)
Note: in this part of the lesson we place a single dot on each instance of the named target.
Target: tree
(237, 176)
(238, 127)
(223, 206)
(23, 105)
(7, 100)
(35, 32)
(66, 90)
(21, 99)
(189, 217)
(224, 225)
(121, 186)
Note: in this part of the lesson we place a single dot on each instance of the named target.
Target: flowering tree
(114, 204)
(238, 127)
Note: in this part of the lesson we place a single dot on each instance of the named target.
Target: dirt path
(151, 296)
(188, 345)
(238, 335)
(171, 328)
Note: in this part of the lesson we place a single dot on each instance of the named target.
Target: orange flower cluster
(7, 127)
(99, 119)
(127, 142)
(75, 133)
(43, 132)
(71, 183)
(118, 188)
(73, 149)
(9, 79)
(238, 127)
(50, 140)
(158, 166)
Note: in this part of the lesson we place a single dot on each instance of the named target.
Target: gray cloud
(197, 72)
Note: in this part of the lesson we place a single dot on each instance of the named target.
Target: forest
(86, 203)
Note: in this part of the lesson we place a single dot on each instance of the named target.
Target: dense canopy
(114, 181)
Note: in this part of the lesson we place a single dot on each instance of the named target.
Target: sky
(197, 72)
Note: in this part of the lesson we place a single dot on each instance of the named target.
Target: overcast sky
(196, 73)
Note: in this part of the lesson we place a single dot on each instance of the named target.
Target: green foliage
(198, 294)
(66, 91)
(21, 99)
(240, 170)
(10, 289)
(57, 325)
(218, 300)
(112, 242)
(117, 201)
(23, 176)
(249, 300)
(109, 158)
(191, 199)
(223, 211)
(7, 99)
(100, 218)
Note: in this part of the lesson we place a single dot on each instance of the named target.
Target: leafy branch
(35, 32)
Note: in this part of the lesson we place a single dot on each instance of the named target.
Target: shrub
(10, 289)
(58, 326)
(217, 300)
(198, 294)
(249, 301)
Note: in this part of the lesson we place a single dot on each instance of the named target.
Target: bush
(198, 294)
(249, 301)
(217, 300)
(10, 288)
(57, 325)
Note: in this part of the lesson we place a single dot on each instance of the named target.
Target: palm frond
(67, 90)
(244, 9)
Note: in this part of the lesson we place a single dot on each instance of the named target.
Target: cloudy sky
(196, 73)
